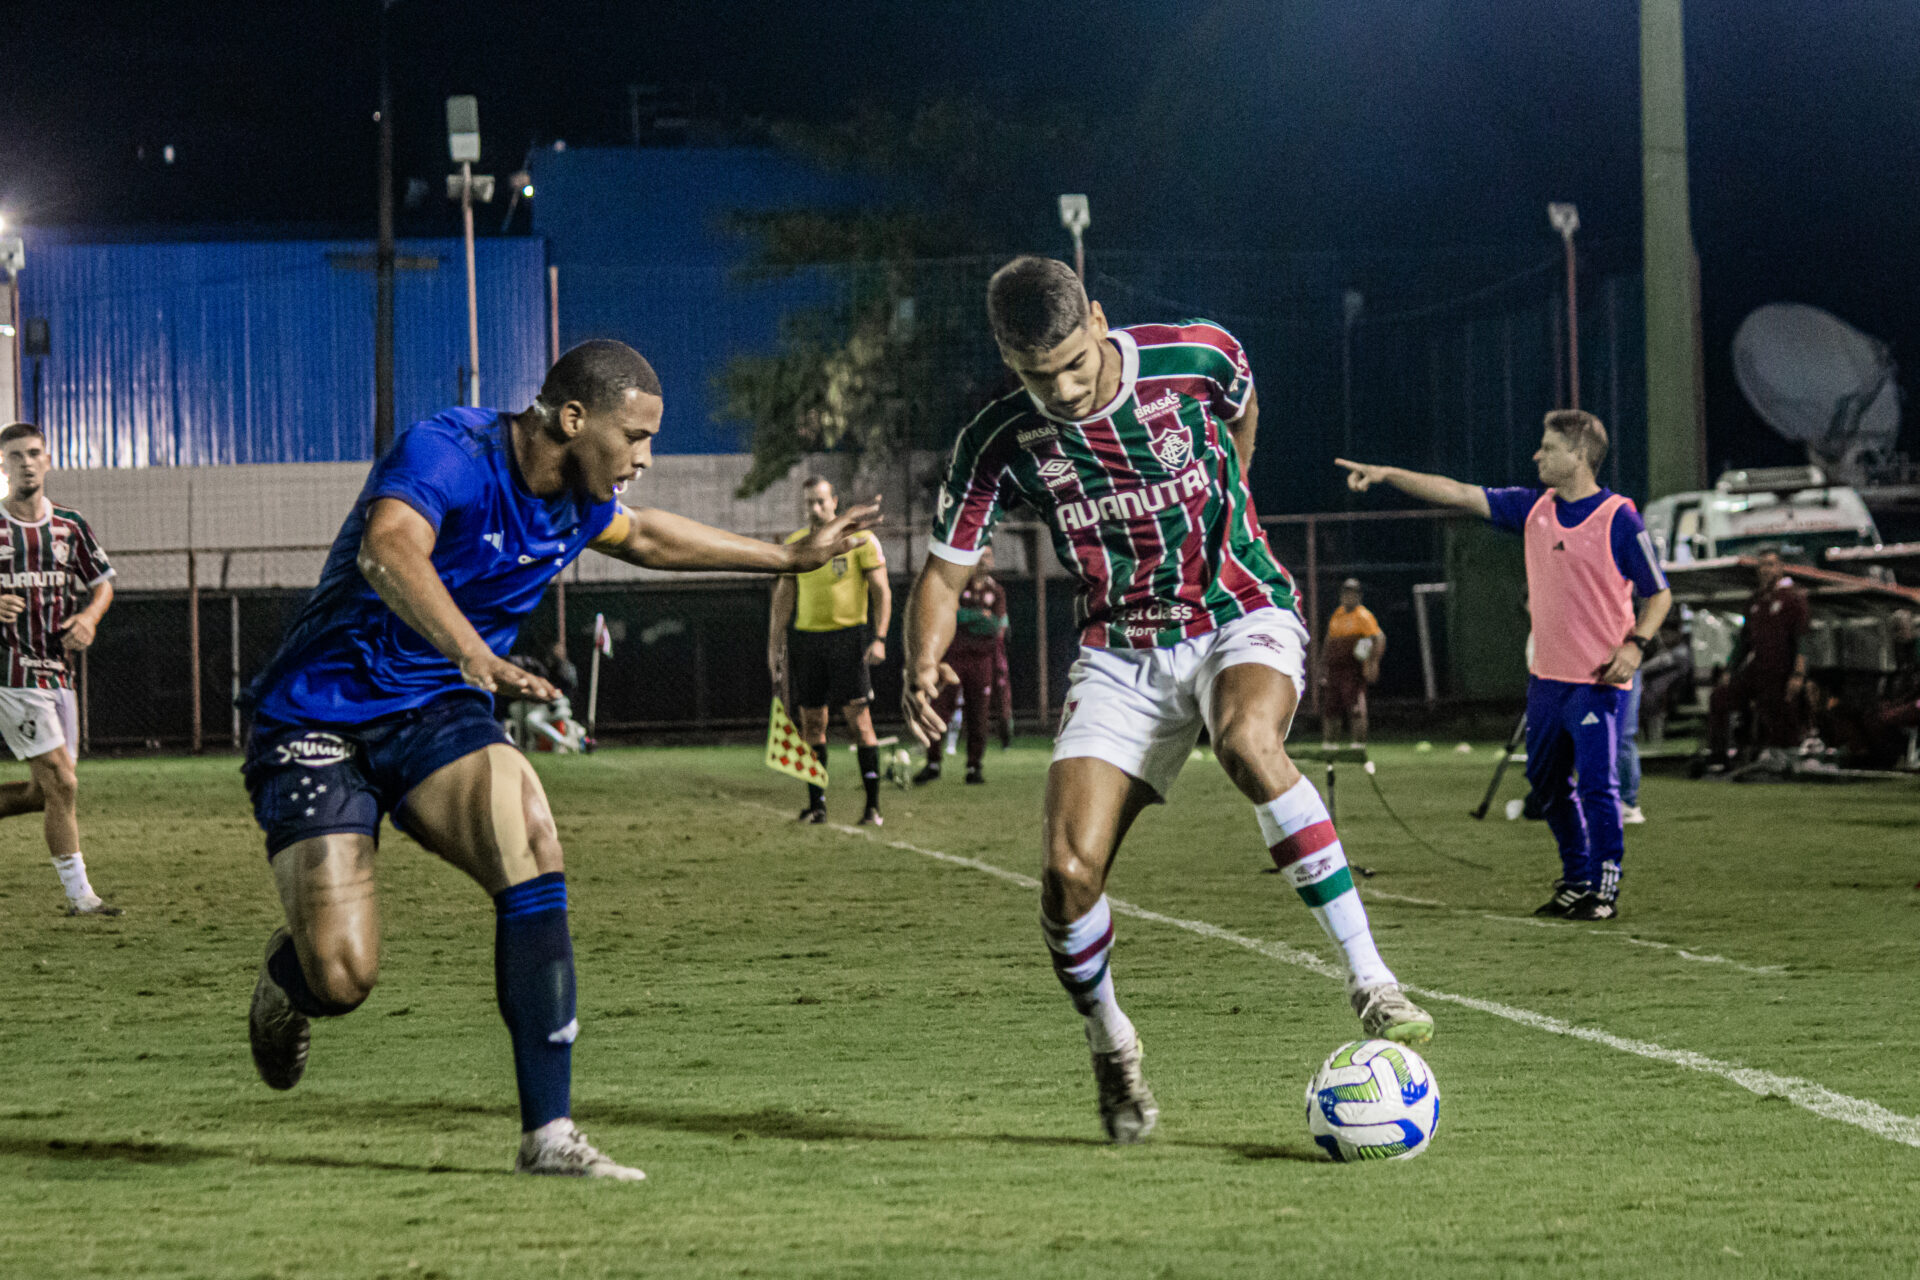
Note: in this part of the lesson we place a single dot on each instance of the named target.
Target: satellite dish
(1819, 381)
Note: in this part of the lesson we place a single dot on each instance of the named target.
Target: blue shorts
(315, 780)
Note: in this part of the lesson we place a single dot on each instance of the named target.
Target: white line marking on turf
(1816, 1098)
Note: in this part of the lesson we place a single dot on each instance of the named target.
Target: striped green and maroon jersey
(1145, 499)
(51, 563)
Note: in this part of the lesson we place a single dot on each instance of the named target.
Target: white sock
(1080, 953)
(73, 877)
(1300, 835)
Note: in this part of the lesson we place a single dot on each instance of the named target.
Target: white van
(1793, 509)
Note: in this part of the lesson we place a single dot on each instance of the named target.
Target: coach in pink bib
(1588, 555)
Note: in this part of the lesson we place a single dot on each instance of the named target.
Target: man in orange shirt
(1354, 645)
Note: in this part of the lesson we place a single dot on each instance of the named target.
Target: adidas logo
(1559, 546)
(496, 540)
(1591, 719)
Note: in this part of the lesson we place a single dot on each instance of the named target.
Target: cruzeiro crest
(1174, 447)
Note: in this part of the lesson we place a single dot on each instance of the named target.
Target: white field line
(1817, 1098)
(1764, 970)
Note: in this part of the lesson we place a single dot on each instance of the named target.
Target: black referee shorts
(829, 668)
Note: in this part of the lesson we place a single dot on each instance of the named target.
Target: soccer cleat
(1387, 1014)
(930, 773)
(91, 905)
(278, 1032)
(816, 814)
(1127, 1108)
(1565, 898)
(558, 1149)
(975, 777)
(1631, 816)
(872, 818)
(1593, 907)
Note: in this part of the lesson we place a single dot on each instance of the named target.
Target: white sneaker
(1387, 1014)
(559, 1149)
(1514, 809)
(91, 905)
(1127, 1108)
(1630, 815)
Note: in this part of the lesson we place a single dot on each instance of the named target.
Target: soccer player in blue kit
(379, 702)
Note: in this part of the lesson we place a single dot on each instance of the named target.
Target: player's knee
(57, 784)
(344, 973)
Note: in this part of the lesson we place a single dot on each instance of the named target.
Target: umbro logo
(1057, 472)
(498, 541)
(1591, 719)
(1559, 546)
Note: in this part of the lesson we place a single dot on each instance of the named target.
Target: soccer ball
(1373, 1100)
(900, 769)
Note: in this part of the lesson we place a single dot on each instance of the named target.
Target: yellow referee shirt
(834, 596)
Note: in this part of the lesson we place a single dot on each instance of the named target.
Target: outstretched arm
(880, 605)
(930, 613)
(785, 591)
(1438, 490)
(661, 540)
(396, 558)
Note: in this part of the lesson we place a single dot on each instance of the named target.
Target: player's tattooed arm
(662, 540)
(1438, 490)
(77, 631)
(930, 619)
(1243, 430)
(780, 614)
(396, 558)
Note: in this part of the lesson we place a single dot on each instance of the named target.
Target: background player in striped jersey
(48, 561)
(1587, 553)
(378, 704)
(1131, 444)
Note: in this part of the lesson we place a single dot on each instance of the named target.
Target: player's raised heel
(558, 1149)
(278, 1032)
(1127, 1108)
(1387, 1014)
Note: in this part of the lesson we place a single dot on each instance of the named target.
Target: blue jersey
(348, 658)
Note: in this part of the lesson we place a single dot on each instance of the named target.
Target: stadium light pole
(1076, 217)
(383, 257)
(463, 144)
(1566, 220)
(13, 256)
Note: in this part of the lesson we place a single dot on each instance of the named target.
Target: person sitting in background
(1769, 673)
(1354, 646)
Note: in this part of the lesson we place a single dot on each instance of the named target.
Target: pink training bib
(1582, 604)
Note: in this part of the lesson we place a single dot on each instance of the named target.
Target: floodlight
(463, 127)
(1075, 215)
(1565, 219)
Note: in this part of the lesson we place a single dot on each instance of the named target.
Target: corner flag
(787, 754)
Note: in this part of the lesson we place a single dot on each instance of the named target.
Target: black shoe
(872, 818)
(931, 773)
(1565, 898)
(1593, 907)
(276, 1030)
(975, 777)
(1006, 735)
(815, 814)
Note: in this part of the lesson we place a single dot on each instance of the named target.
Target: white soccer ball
(1373, 1100)
(900, 769)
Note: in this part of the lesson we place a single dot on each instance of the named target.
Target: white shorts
(34, 721)
(1141, 710)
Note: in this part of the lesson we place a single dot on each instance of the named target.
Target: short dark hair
(1583, 431)
(598, 373)
(1035, 304)
(19, 430)
(811, 481)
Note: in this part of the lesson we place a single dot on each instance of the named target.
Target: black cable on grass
(1450, 857)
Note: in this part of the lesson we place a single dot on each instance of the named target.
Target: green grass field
(836, 1055)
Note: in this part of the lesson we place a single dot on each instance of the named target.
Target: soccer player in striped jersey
(48, 560)
(378, 704)
(1132, 444)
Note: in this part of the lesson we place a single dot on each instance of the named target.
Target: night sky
(1388, 125)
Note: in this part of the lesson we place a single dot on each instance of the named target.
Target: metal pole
(553, 314)
(473, 292)
(383, 260)
(1573, 330)
(1675, 430)
(1613, 376)
(1313, 614)
(560, 608)
(1080, 257)
(193, 640)
(1039, 572)
(233, 644)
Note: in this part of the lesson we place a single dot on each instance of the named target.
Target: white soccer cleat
(558, 1149)
(1127, 1108)
(91, 905)
(1515, 808)
(1387, 1014)
(1631, 816)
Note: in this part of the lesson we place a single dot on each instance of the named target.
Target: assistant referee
(829, 645)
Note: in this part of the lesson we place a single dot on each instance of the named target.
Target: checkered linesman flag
(787, 754)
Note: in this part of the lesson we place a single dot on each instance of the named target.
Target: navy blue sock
(533, 974)
(283, 966)
(817, 798)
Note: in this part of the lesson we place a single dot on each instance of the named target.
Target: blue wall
(640, 238)
(204, 353)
